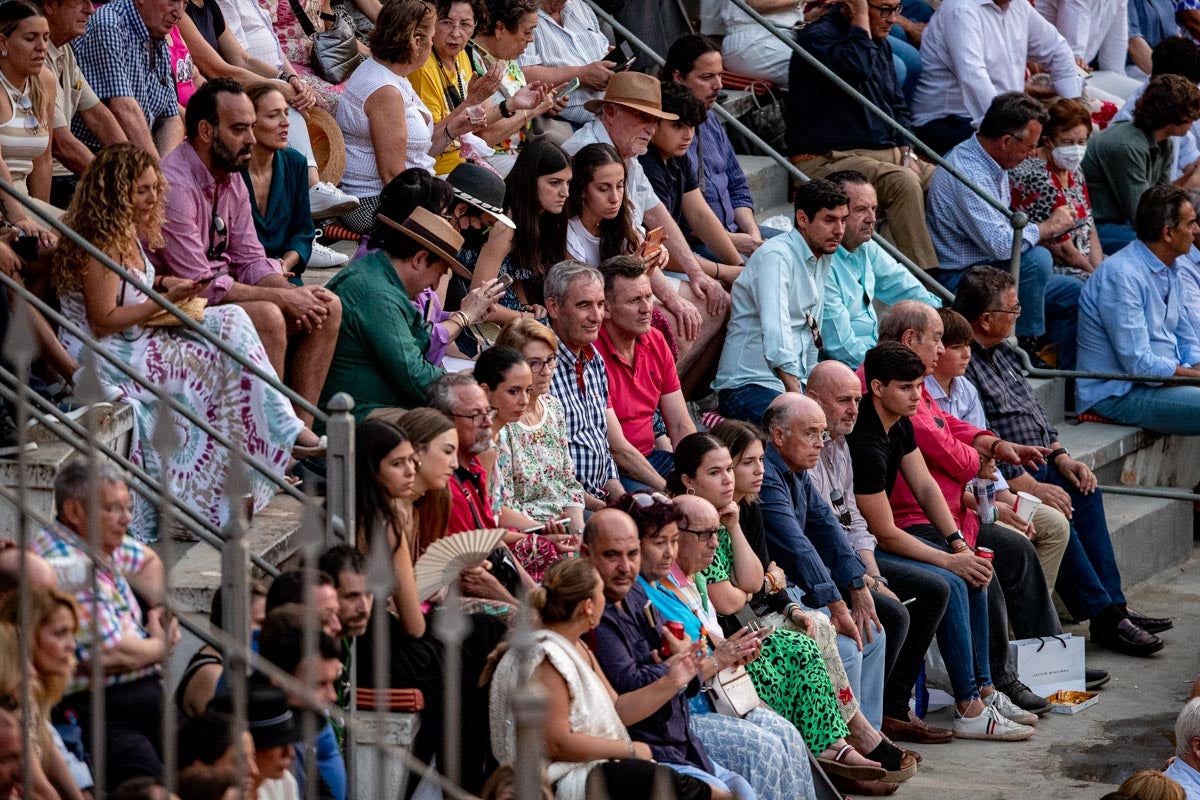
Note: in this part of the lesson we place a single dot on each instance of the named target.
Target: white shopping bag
(1050, 663)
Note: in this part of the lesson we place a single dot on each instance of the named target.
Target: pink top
(189, 227)
(636, 388)
(181, 67)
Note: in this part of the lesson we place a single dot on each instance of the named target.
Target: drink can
(985, 501)
(985, 552)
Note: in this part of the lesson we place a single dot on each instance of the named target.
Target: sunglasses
(218, 237)
(25, 103)
(648, 499)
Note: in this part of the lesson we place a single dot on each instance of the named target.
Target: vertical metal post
(339, 471)
(235, 601)
(529, 711)
(381, 579)
(311, 535)
(165, 439)
(1019, 221)
(450, 626)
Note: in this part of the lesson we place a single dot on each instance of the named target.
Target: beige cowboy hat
(434, 233)
(635, 90)
(329, 147)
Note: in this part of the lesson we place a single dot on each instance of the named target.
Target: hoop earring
(691, 491)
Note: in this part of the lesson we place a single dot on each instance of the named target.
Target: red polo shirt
(635, 388)
(469, 505)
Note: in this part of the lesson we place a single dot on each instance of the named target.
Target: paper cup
(1026, 506)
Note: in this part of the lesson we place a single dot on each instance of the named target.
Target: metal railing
(731, 121)
(1017, 219)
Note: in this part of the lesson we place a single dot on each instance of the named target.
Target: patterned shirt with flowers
(118, 609)
(1037, 191)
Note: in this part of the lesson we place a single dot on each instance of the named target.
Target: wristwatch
(1054, 454)
(859, 582)
(955, 537)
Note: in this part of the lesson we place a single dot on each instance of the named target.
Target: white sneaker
(1008, 709)
(326, 257)
(991, 726)
(326, 200)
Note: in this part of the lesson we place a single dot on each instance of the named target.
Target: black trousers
(630, 778)
(929, 595)
(132, 728)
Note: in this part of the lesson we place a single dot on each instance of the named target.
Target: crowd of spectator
(557, 264)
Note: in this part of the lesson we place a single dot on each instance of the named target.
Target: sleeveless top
(361, 178)
(23, 137)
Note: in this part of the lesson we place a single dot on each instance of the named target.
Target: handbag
(732, 692)
(767, 118)
(192, 307)
(335, 53)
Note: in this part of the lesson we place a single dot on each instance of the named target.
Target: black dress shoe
(1129, 639)
(1149, 624)
(1025, 698)
(1095, 678)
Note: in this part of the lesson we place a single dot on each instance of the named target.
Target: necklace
(453, 97)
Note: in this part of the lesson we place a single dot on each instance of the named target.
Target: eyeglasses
(886, 11)
(704, 534)
(542, 364)
(815, 437)
(815, 330)
(1016, 312)
(648, 499)
(449, 25)
(479, 417)
(25, 103)
(218, 237)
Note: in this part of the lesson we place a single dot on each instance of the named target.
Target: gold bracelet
(718, 263)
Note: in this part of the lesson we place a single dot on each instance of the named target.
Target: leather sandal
(858, 772)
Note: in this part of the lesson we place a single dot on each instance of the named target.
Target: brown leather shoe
(914, 729)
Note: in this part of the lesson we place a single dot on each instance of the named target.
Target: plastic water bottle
(985, 500)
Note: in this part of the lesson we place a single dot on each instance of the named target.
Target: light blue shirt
(1186, 777)
(966, 231)
(1131, 321)
(781, 284)
(850, 326)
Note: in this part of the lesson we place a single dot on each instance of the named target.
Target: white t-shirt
(581, 245)
(284, 788)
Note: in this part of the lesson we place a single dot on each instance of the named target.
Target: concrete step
(1103, 447)
(1052, 394)
(273, 535)
(768, 180)
(113, 428)
(1149, 535)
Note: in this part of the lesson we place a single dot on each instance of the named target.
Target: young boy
(958, 397)
(677, 185)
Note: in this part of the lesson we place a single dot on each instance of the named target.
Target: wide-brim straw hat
(328, 145)
(434, 233)
(635, 90)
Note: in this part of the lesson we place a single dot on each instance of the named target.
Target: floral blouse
(512, 82)
(1036, 191)
(536, 463)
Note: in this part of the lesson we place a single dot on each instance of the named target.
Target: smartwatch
(955, 537)
(858, 582)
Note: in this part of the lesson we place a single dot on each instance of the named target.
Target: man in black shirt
(882, 447)
(673, 176)
(852, 40)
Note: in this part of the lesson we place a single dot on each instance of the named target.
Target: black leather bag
(335, 53)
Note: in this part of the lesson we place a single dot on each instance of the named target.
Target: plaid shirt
(119, 59)
(580, 383)
(1012, 410)
(119, 611)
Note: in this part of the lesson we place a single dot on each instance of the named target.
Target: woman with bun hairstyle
(585, 719)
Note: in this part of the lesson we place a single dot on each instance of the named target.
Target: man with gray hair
(967, 231)
(130, 631)
(1185, 769)
(574, 294)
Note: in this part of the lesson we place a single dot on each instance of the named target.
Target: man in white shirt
(1096, 32)
(974, 50)
(627, 118)
(568, 43)
(1185, 770)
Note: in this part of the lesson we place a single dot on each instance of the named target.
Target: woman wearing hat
(275, 727)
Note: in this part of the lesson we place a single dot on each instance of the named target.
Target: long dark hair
(541, 239)
(617, 236)
(689, 455)
(373, 440)
(422, 426)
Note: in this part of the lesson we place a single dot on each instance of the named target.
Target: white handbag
(732, 692)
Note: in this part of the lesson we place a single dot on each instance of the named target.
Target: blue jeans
(663, 462)
(908, 66)
(703, 251)
(747, 403)
(1167, 409)
(1088, 579)
(1114, 236)
(963, 632)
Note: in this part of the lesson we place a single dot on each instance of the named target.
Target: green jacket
(381, 346)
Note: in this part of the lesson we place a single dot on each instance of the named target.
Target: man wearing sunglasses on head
(210, 238)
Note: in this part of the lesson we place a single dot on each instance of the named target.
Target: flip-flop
(858, 772)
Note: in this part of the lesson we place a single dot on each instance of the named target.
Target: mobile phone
(25, 247)
(654, 239)
(567, 88)
(625, 65)
(540, 528)
(504, 281)
(206, 281)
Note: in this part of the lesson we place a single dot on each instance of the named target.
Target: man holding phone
(568, 43)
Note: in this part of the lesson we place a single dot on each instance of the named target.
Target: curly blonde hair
(102, 211)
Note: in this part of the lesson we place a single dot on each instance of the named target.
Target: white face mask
(1070, 156)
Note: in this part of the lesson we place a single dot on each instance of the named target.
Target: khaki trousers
(901, 194)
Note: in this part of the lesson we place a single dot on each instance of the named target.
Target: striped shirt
(119, 612)
(577, 42)
(23, 137)
(580, 383)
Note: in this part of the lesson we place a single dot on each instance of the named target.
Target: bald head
(786, 407)
(795, 427)
(37, 570)
(838, 391)
(698, 513)
(610, 543)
